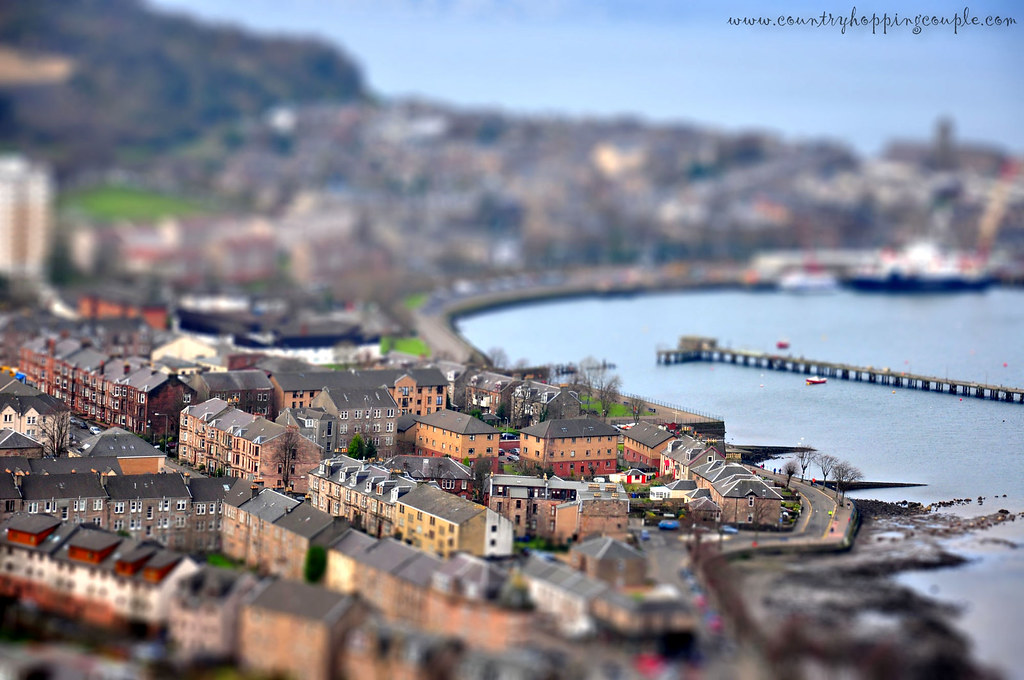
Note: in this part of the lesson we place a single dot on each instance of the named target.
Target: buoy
(961, 398)
(1004, 364)
(894, 391)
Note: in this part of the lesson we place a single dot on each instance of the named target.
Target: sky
(680, 60)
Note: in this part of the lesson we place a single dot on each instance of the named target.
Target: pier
(695, 348)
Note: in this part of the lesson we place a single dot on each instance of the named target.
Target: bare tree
(827, 463)
(845, 474)
(637, 405)
(763, 515)
(789, 469)
(606, 388)
(56, 433)
(804, 458)
(498, 357)
(285, 455)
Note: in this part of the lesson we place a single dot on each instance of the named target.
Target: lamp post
(164, 416)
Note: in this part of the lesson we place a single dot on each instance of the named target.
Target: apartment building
(575, 447)
(458, 435)
(364, 494)
(430, 519)
(644, 444)
(26, 217)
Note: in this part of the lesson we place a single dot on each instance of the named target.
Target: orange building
(575, 447)
(460, 436)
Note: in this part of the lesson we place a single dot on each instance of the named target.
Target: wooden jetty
(696, 348)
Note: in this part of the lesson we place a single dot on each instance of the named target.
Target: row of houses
(180, 512)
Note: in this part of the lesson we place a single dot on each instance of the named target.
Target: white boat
(808, 281)
(816, 380)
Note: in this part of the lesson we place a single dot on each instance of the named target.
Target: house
(458, 435)
(487, 391)
(643, 445)
(270, 531)
(558, 509)
(205, 436)
(205, 520)
(363, 493)
(576, 447)
(79, 498)
(134, 454)
(439, 522)
(150, 506)
(292, 629)
(369, 412)
(395, 579)
(203, 613)
(31, 413)
(743, 497)
(341, 562)
(684, 453)
(248, 390)
(88, 574)
(606, 559)
(449, 474)
(678, 490)
(632, 476)
(13, 443)
(562, 594)
(533, 402)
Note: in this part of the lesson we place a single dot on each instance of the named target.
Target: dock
(696, 348)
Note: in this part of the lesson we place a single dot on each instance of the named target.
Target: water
(958, 447)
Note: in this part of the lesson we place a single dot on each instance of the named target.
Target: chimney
(127, 367)
(51, 345)
(426, 467)
(17, 478)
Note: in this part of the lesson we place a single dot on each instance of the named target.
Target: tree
(606, 387)
(498, 357)
(481, 471)
(845, 474)
(763, 515)
(357, 447)
(804, 458)
(371, 449)
(789, 469)
(827, 463)
(285, 455)
(56, 434)
(637, 405)
(316, 564)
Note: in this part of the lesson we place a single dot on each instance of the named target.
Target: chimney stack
(426, 467)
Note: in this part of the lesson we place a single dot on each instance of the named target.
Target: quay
(697, 348)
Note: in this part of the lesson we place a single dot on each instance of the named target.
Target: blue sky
(678, 60)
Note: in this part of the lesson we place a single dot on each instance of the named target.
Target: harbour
(699, 348)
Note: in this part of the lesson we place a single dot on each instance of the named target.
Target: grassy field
(413, 346)
(113, 203)
(415, 301)
(617, 410)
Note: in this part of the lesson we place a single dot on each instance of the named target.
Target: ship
(922, 268)
(808, 281)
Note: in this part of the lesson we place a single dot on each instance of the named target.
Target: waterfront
(959, 447)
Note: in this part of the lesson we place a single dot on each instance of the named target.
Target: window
(33, 507)
(136, 506)
(118, 507)
(97, 504)
(149, 512)
(358, 414)
(750, 501)
(201, 507)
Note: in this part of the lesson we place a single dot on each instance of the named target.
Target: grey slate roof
(43, 487)
(117, 442)
(403, 561)
(8, 489)
(302, 600)
(607, 548)
(648, 435)
(156, 485)
(235, 381)
(353, 542)
(563, 577)
(56, 466)
(308, 522)
(474, 577)
(32, 524)
(441, 504)
(343, 399)
(430, 467)
(207, 409)
(571, 427)
(453, 421)
(12, 439)
(209, 584)
(268, 505)
(208, 489)
(145, 379)
(21, 404)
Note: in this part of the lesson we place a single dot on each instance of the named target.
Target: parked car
(729, 529)
(94, 430)
(645, 535)
(668, 525)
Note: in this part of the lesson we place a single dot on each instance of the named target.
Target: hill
(134, 79)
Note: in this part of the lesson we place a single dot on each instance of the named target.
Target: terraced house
(364, 494)
(217, 436)
(448, 433)
(644, 445)
(574, 447)
(430, 519)
(743, 497)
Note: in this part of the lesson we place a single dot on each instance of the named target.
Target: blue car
(729, 529)
(645, 535)
(668, 525)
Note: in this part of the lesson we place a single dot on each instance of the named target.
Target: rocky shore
(845, 611)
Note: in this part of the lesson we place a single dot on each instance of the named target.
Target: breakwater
(693, 348)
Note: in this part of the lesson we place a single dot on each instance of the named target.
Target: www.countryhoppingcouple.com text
(877, 23)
